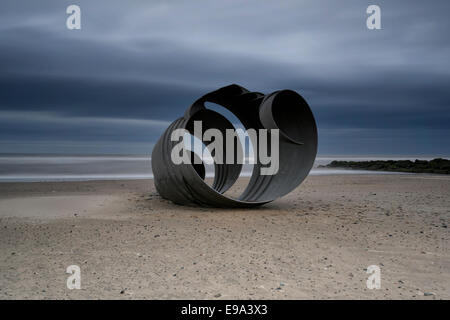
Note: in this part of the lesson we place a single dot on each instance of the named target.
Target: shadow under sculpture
(285, 110)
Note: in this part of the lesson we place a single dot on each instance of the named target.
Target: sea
(44, 167)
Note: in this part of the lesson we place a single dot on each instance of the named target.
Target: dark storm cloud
(384, 91)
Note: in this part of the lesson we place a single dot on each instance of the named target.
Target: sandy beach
(314, 243)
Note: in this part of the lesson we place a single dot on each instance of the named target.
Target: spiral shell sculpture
(284, 110)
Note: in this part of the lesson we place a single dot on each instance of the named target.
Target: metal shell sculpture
(285, 110)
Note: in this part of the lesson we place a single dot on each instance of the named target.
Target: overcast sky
(135, 66)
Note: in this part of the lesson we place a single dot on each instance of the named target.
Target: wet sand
(314, 243)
